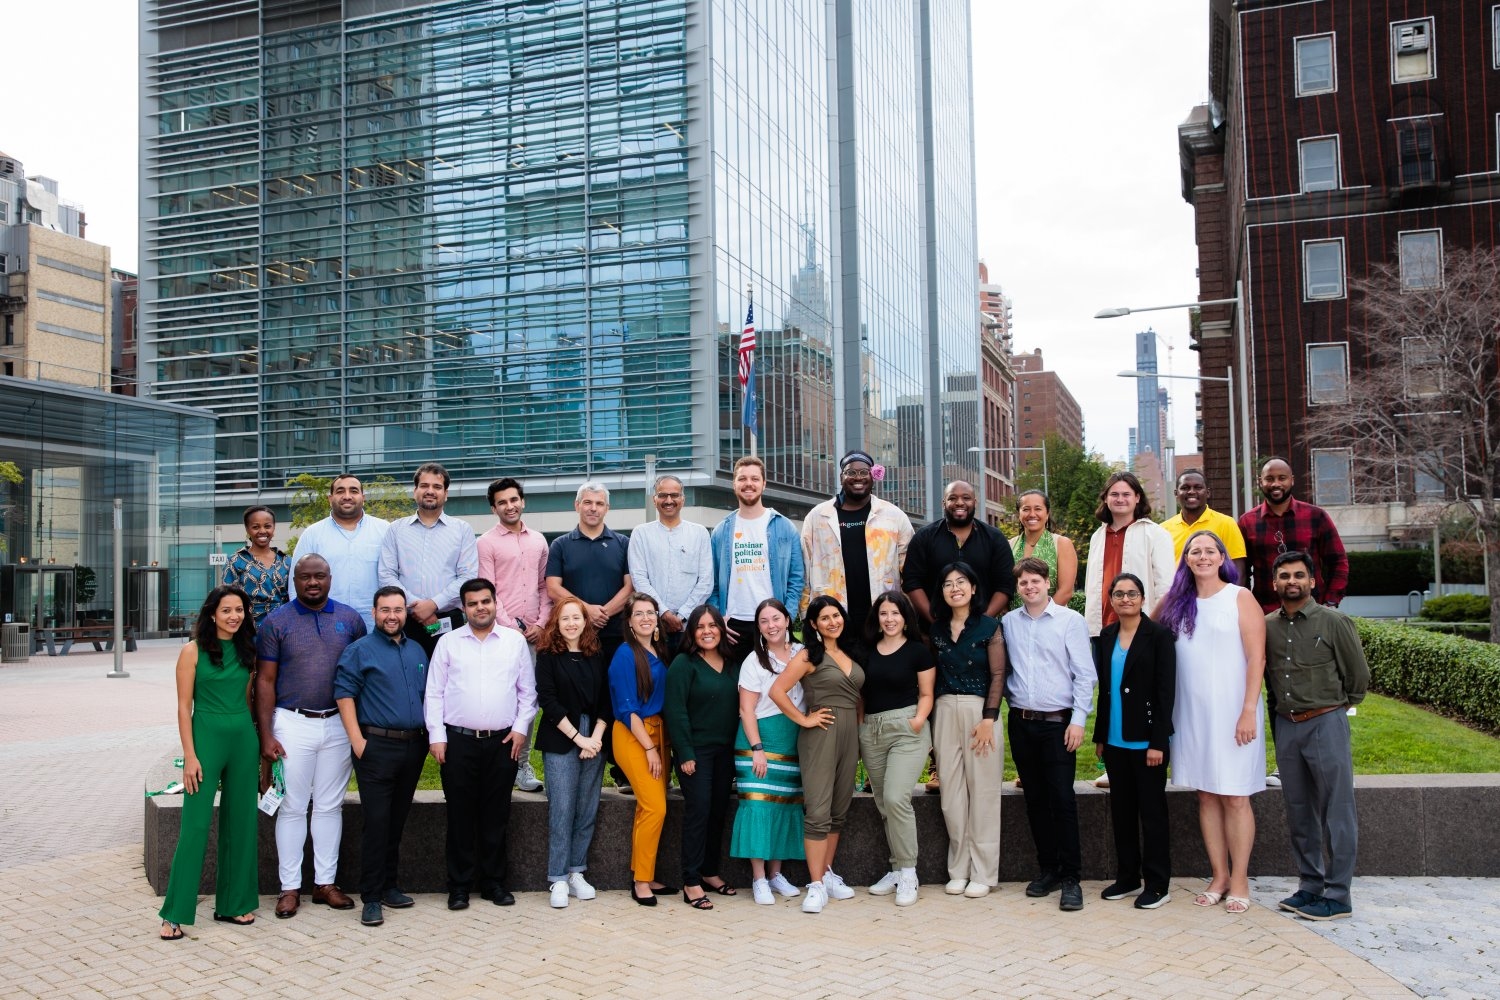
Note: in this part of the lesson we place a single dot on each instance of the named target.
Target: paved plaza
(77, 918)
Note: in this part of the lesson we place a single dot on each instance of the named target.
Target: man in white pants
(297, 655)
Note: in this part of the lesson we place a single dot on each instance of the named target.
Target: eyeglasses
(643, 613)
(1280, 543)
(669, 496)
(1126, 595)
(955, 584)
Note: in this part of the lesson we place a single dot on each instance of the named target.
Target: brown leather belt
(1033, 716)
(1311, 713)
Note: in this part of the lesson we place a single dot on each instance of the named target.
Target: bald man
(958, 537)
(1285, 524)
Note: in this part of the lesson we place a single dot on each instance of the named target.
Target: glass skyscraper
(520, 237)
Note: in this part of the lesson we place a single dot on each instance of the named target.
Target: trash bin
(15, 642)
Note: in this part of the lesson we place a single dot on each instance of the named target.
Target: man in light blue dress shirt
(429, 555)
(670, 558)
(350, 540)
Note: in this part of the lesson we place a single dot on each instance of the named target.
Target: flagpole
(750, 296)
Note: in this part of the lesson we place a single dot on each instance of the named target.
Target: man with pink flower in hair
(853, 545)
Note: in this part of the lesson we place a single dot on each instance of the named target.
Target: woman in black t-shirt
(893, 737)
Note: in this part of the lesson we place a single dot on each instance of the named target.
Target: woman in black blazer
(1136, 660)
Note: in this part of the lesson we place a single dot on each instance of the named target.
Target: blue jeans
(572, 803)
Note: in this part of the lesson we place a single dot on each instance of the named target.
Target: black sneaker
(371, 916)
(1072, 895)
(396, 899)
(1324, 908)
(1121, 890)
(1150, 899)
(1043, 885)
(1297, 900)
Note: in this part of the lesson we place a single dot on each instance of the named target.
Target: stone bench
(1411, 825)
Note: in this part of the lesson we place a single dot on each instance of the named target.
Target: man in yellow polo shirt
(1196, 515)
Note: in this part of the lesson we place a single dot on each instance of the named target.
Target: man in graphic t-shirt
(757, 555)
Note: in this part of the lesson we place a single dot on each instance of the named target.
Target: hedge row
(1444, 671)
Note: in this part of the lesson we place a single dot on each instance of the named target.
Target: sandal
(701, 903)
(723, 889)
(1236, 904)
(176, 931)
(1207, 898)
(244, 920)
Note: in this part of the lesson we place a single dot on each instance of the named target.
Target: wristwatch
(757, 746)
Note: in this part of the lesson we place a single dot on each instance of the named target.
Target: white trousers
(317, 766)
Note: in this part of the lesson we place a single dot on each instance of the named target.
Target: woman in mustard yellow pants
(637, 689)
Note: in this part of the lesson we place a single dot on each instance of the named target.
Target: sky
(1078, 187)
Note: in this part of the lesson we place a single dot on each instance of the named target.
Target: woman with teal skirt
(218, 745)
(768, 820)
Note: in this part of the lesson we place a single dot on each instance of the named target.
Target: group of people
(674, 649)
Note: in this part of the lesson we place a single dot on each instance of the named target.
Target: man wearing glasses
(671, 559)
(1285, 524)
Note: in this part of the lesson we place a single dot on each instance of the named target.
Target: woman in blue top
(637, 690)
(1137, 664)
(260, 569)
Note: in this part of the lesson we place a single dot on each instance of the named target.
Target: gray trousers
(1317, 788)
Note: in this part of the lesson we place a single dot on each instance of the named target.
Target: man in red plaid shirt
(1284, 524)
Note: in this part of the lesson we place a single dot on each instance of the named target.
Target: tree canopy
(384, 498)
(1075, 478)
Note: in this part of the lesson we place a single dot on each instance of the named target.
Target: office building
(1000, 459)
(522, 238)
(1044, 404)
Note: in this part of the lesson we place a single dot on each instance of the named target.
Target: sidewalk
(77, 917)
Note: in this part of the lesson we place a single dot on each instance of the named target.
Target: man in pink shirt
(514, 559)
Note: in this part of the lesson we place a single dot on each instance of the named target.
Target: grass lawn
(1390, 737)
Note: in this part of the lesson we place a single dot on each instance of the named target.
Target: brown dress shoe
(287, 902)
(332, 895)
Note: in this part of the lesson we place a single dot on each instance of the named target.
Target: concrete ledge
(1410, 825)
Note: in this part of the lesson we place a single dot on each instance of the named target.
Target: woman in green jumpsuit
(218, 744)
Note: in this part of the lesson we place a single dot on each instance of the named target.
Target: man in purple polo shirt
(297, 654)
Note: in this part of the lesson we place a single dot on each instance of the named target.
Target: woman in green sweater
(702, 715)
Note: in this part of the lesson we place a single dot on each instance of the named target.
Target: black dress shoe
(1043, 885)
(458, 900)
(500, 897)
(1072, 896)
(397, 899)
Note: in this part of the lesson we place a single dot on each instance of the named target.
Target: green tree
(1075, 478)
(10, 475)
(384, 498)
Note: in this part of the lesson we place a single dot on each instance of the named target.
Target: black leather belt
(326, 713)
(1031, 716)
(404, 735)
(479, 734)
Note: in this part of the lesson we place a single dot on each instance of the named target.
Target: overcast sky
(1079, 201)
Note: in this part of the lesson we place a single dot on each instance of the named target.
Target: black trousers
(477, 780)
(1046, 770)
(428, 640)
(736, 651)
(705, 801)
(1138, 812)
(388, 774)
(608, 645)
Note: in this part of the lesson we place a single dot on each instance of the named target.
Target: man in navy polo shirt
(592, 563)
(379, 687)
(297, 653)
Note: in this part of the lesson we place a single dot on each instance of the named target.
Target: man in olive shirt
(1315, 670)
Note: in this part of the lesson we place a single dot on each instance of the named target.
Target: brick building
(999, 460)
(1044, 404)
(1338, 135)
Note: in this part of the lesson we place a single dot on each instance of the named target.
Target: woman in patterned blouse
(260, 569)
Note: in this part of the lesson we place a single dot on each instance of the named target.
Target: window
(1423, 364)
(1416, 152)
(1316, 71)
(1319, 160)
(1413, 51)
(1424, 483)
(1330, 468)
(1327, 373)
(1323, 269)
(1422, 259)
(1495, 35)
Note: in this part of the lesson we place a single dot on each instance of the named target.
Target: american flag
(747, 368)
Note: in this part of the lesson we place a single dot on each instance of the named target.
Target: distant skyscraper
(520, 238)
(1148, 397)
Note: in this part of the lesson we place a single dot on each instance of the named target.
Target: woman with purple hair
(1219, 746)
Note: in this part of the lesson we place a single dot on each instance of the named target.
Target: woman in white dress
(1219, 746)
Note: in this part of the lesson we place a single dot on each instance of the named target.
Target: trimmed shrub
(1463, 562)
(1457, 608)
(1077, 601)
(1449, 673)
(1398, 571)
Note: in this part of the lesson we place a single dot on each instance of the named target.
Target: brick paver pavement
(76, 913)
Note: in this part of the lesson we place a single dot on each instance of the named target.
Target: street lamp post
(1238, 301)
(1228, 379)
(1046, 486)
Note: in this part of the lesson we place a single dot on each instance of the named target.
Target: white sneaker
(835, 887)
(1273, 780)
(559, 895)
(956, 886)
(579, 886)
(781, 885)
(886, 885)
(906, 889)
(976, 890)
(1102, 781)
(526, 779)
(816, 898)
(762, 890)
